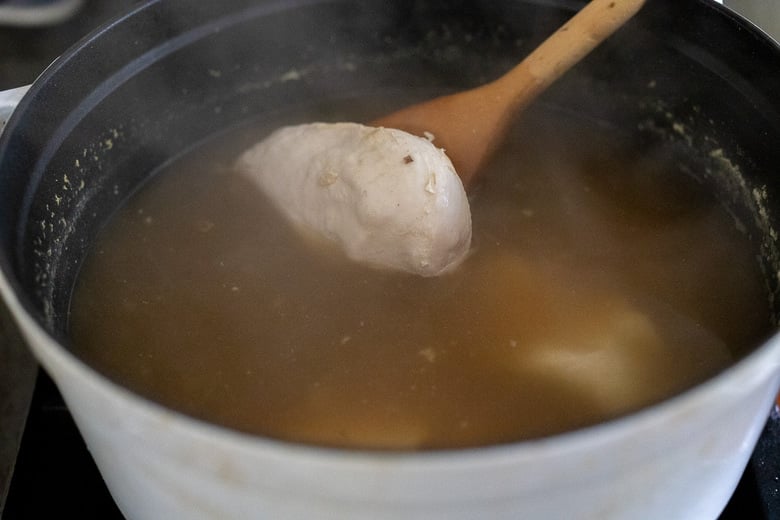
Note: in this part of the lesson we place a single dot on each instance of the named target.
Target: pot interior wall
(685, 76)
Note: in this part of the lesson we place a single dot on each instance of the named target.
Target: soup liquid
(599, 281)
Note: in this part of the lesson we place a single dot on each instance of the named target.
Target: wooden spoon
(470, 125)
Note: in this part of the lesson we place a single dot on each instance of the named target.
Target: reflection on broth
(599, 281)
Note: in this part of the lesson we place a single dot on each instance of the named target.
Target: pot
(169, 74)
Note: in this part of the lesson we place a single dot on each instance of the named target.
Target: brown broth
(600, 281)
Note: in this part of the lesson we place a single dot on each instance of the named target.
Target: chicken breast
(385, 197)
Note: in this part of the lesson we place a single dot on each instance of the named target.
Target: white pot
(680, 459)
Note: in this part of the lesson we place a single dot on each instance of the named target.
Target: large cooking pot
(171, 73)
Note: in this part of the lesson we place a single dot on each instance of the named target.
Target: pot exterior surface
(195, 68)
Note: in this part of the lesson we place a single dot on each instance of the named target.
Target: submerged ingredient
(385, 197)
(601, 279)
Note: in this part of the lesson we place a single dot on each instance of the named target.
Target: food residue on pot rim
(724, 170)
(69, 198)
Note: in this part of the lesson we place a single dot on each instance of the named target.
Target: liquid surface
(599, 281)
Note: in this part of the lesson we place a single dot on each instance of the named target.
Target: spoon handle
(593, 24)
(472, 123)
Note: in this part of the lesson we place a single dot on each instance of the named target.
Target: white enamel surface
(681, 459)
(8, 101)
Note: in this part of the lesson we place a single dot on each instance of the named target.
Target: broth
(600, 280)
